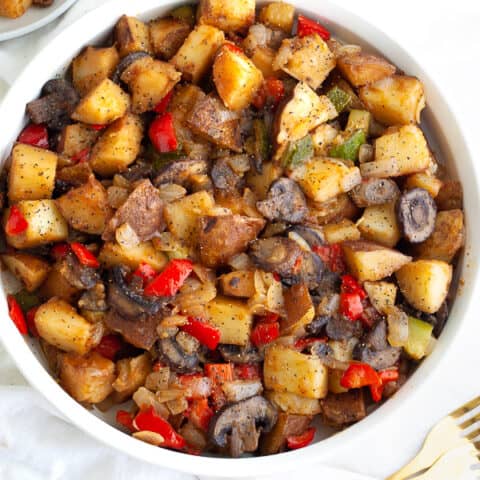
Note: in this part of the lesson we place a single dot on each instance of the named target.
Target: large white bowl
(445, 136)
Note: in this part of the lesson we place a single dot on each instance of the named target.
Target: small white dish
(33, 19)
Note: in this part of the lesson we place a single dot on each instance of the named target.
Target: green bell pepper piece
(27, 300)
(298, 152)
(340, 98)
(348, 150)
(160, 160)
(261, 144)
(419, 337)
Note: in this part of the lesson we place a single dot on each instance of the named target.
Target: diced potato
(294, 404)
(226, 15)
(149, 81)
(239, 283)
(75, 138)
(342, 350)
(362, 68)
(305, 111)
(396, 100)
(102, 105)
(425, 283)
(263, 58)
(379, 224)
(370, 261)
(322, 179)
(118, 146)
(260, 182)
(358, 120)
(426, 181)
(381, 295)
(182, 215)
(232, 318)
(278, 15)
(341, 232)
(132, 35)
(236, 77)
(287, 370)
(300, 310)
(76, 174)
(447, 238)
(32, 173)
(307, 59)
(86, 208)
(400, 152)
(31, 270)
(197, 52)
(88, 379)
(167, 36)
(45, 224)
(56, 285)
(60, 325)
(14, 8)
(92, 66)
(333, 210)
(132, 373)
(113, 254)
(450, 196)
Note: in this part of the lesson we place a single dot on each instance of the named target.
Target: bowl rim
(88, 27)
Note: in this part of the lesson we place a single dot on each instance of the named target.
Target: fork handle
(442, 438)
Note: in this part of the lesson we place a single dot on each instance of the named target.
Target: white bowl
(445, 136)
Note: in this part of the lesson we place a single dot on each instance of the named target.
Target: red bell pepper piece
(60, 250)
(219, 373)
(16, 221)
(84, 255)
(151, 421)
(145, 272)
(302, 440)
(351, 305)
(232, 47)
(350, 285)
(16, 314)
(126, 419)
(386, 376)
(306, 26)
(303, 343)
(205, 333)
(30, 318)
(264, 333)
(200, 413)
(248, 371)
(270, 93)
(331, 255)
(168, 282)
(109, 346)
(97, 127)
(359, 375)
(81, 156)
(36, 135)
(269, 317)
(162, 105)
(162, 133)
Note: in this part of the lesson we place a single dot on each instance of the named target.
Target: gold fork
(446, 435)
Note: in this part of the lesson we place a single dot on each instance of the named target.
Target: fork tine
(474, 434)
(469, 422)
(465, 408)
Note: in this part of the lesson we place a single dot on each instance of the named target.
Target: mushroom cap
(416, 212)
(275, 254)
(374, 191)
(175, 357)
(125, 62)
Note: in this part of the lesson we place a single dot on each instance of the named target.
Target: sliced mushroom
(342, 409)
(125, 63)
(374, 349)
(416, 212)
(176, 357)
(275, 254)
(56, 104)
(180, 171)
(239, 425)
(374, 191)
(309, 270)
(78, 275)
(312, 237)
(128, 302)
(342, 328)
(285, 202)
(94, 299)
(224, 177)
(317, 326)
(237, 354)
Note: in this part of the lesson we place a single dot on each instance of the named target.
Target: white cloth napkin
(36, 444)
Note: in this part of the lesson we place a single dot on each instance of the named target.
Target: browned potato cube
(227, 15)
(167, 36)
(362, 68)
(236, 77)
(263, 58)
(341, 231)
(428, 182)
(86, 208)
(89, 378)
(75, 138)
(31, 270)
(76, 174)
(450, 196)
(56, 285)
(92, 66)
(300, 310)
(197, 52)
(14, 8)
(113, 253)
(379, 224)
(132, 373)
(278, 15)
(132, 35)
(239, 283)
(149, 81)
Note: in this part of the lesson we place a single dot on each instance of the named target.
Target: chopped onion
(239, 163)
(145, 398)
(177, 406)
(329, 304)
(241, 262)
(121, 181)
(198, 387)
(188, 343)
(126, 236)
(380, 169)
(149, 437)
(170, 394)
(158, 380)
(171, 191)
(116, 196)
(397, 321)
(300, 240)
(237, 390)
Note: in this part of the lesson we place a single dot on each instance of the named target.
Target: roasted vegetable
(361, 68)
(379, 224)
(227, 16)
(14, 8)
(278, 15)
(167, 36)
(31, 270)
(132, 35)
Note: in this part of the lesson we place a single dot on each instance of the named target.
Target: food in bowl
(233, 227)
(17, 8)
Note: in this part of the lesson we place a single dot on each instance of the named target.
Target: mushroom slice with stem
(275, 254)
(172, 353)
(374, 191)
(416, 212)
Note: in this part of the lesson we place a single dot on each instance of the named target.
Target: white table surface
(35, 444)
